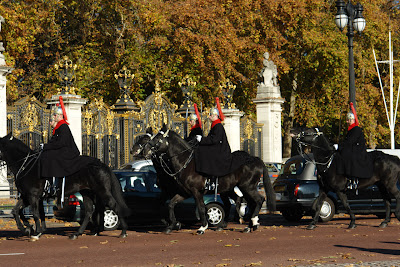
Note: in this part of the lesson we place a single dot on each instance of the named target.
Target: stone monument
(269, 107)
(4, 70)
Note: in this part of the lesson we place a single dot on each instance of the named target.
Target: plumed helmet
(350, 116)
(214, 111)
(193, 117)
(57, 110)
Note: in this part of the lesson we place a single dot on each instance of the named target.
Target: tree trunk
(288, 123)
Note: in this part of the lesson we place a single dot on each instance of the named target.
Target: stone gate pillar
(73, 107)
(232, 127)
(269, 107)
(4, 70)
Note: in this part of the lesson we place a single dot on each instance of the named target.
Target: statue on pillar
(268, 75)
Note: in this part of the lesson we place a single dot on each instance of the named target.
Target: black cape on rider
(213, 156)
(60, 156)
(355, 159)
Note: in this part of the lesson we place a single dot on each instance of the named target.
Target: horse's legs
(17, 212)
(396, 193)
(198, 197)
(35, 206)
(317, 208)
(88, 205)
(227, 209)
(343, 197)
(255, 201)
(174, 224)
(42, 216)
(386, 199)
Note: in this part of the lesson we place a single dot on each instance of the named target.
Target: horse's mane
(18, 144)
(179, 139)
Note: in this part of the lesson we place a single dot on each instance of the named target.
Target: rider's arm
(214, 137)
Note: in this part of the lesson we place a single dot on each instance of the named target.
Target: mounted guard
(355, 163)
(213, 157)
(195, 123)
(60, 157)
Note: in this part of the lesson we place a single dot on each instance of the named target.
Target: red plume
(197, 114)
(221, 115)
(354, 112)
(63, 108)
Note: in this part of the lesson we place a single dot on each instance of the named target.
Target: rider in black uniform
(356, 161)
(195, 123)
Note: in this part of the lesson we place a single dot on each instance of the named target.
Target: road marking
(11, 254)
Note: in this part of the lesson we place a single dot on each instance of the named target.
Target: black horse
(386, 173)
(167, 184)
(96, 182)
(169, 147)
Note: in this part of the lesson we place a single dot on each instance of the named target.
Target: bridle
(299, 139)
(163, 158)
(142, 146)
(29, 160)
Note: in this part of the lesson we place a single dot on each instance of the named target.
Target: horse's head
(141, 141)
(158, 144)
(306, 135)
(12, 148)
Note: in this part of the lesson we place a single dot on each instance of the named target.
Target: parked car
(143, 165)
(296, 189)
(142, 195)
(273, 170)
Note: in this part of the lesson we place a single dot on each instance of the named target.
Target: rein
(164, 163)
(26, 163)
(306, 157)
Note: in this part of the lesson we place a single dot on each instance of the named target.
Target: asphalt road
(276, 243)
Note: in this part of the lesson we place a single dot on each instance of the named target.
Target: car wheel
(111, 220)
(327, 210)
(293, 215)
(215, 214)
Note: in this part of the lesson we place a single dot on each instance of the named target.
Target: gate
(251, 136)
(28, 120)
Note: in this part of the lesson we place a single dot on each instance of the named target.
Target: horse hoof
(311, 227)
(255, 227)
(167, 231)
(383, 225)
(34, 238)
(219, 228)
(241, 221)
(352, 226)
(177, 226)
(123, 235)
(247, 230)
(200, 232)
(73, 237)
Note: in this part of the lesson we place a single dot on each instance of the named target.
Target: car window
(147, 168)
(293, 166)
(299, 168)
(271, 168)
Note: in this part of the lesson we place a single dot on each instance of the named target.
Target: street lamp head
(359, 21)
(341, 17)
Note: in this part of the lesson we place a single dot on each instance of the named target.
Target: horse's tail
(116, 190)
(269, 191)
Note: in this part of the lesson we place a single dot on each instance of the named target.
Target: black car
(296, 189)
(142, 196)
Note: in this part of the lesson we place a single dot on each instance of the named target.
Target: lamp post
(227, 89)
(66, 71)
(350, 15)
(124, 78)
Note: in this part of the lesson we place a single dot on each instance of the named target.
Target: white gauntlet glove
(198, 137)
